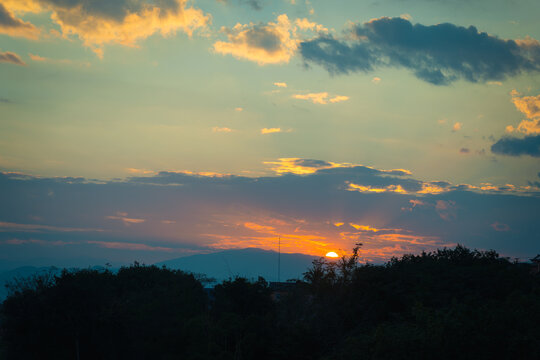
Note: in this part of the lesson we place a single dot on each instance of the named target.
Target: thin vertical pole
(279, 259)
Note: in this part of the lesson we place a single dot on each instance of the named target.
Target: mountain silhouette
(249, 263)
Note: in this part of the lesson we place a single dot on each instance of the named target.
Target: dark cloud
(438, 54)
(529, 145)
(5, 101)
(8, 20)
(464, 150)
(312, 163)
(254, 4)
(10, 57)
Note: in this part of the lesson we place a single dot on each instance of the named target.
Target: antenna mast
(279, 259)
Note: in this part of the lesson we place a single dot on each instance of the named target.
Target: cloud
(10, 57)
(266, 43)
(321, 98)
(130, 246)
(439, 54)
(8, 226)
(497, 226)
(280, 84)
(122, 216)
(305, 24)
(530, 107)
(254, 4)
(457, 126)
(123, 22)
(529, 145)
(464, 151)
(376, 80)
(38, 58)
(270, 130)
(239, 109)
(271, 43)
(446, 209)
(300, 166)
(12, 26)
(221, 129)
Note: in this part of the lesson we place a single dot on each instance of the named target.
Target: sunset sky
(154, 129)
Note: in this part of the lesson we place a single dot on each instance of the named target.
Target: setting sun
(332, 254)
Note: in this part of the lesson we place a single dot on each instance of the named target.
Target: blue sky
(273, 117)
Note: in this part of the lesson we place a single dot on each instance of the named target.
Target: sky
(155, 129)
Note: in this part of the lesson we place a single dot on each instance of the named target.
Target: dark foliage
(450, 304)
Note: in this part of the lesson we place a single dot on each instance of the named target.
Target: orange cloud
(364, 227)
(457, 126)
(367, 189)
(257, 229)
(141, 171)
(301, 166)
(280, 84)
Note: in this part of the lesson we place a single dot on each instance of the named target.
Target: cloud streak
(321, 98)
(438, 54)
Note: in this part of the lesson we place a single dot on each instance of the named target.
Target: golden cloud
(96, 28)
(265, 43)
(12, 26)
(530, 107)
(321, 98)
(272, 43)
(265, 131)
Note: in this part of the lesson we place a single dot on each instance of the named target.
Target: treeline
(449, 304)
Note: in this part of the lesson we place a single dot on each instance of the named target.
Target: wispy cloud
(122, 216)
(322, 98)
(221, 129)
(38, 58)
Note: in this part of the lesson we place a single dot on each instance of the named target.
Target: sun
(332, 254)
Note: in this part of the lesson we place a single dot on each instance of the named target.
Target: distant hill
(249, 263)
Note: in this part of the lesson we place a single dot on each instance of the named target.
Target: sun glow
(332, 254)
